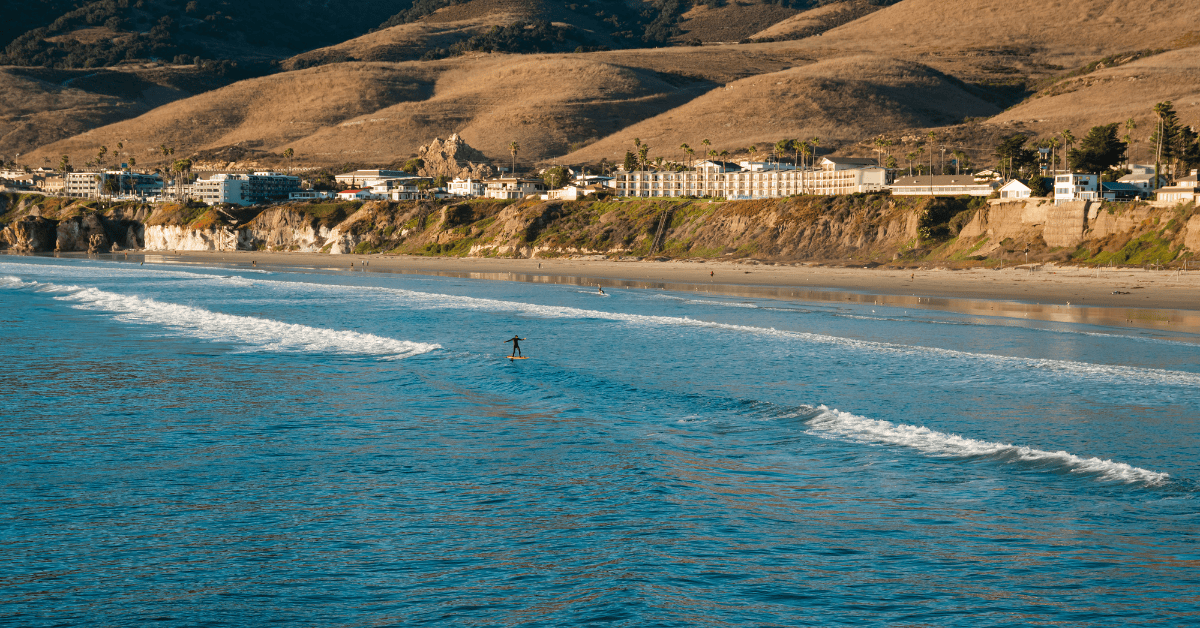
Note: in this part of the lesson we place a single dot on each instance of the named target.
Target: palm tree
(753, 150)
(707, 144)
(959, 158)
(796, 153)
(879, 150)
(643, 151)
(1052, 143)
(287, 154)
(686, 151)
(1130, 127)
(911, 157)
(513, 149)
(781, 148)
(1162, 110)
(1068, 140)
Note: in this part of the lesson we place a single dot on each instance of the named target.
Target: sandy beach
(1166, 300)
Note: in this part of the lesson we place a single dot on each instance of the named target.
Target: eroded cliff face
(862, 228)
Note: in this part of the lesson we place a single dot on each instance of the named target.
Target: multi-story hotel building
(750, 180)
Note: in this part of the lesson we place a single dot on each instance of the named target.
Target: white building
(1015, 189)
(1076, 187)
(1186, 189)
(1144, 181)
(366, 178)
(943, 185)
(244, 189)
(357, 195)
(572, 192)
(725, 179)
(513, 188)
(471, 188)
(310, 195)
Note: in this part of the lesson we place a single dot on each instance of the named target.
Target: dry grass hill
(914, 65)
(1115, 94)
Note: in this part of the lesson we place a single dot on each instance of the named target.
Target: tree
(630, 161)
(796, 153)
(753, 150)
(556, 177)
(781, 149)
(1011, 151)
(816, 142)
(132, 163)
(932, 139)
(64, 164)
(287, 154)
(910, 158)
(687, 152)
(514, 148)
(707, 150)
(1130, 127)
(960, 158)
(1068, 140)
(413, 166)
(643, 155)
(1099, 151)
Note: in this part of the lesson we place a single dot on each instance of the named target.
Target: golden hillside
(1115, 94)
(838, 100)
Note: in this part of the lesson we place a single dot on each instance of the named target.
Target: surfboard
(516, 358)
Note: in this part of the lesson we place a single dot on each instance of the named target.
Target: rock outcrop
(453, 158)
(30, 234)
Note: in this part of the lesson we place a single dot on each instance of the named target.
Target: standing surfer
(516, 345)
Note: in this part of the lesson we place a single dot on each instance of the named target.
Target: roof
(1191, 178)
(940, 180)
(1138, 177)
(727, 165)
(1014, 184)
(1118, 186)
(851, 161)
(351, 191)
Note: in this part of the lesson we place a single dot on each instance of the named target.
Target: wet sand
(1165, 300)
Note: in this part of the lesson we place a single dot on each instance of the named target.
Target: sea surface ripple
(220, 446)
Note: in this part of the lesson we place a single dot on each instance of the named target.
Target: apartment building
(243, 189)
(943, 185)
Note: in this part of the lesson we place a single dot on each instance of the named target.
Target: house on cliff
(943, 185)
(1186, 189)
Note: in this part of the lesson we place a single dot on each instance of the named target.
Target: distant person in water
(516, 345)
(600, 288)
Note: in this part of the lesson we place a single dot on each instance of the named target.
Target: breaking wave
(843, 425)
(260, 333)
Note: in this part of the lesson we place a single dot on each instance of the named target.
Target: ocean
(226, 446)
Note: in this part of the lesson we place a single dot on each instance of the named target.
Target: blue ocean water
(227, 447)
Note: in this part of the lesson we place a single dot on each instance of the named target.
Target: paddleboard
(516, 358)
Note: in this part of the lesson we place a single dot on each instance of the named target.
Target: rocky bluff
(859, 229)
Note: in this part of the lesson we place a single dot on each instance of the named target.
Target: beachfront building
(1118, 191)
(513, 187)
(1186, 189)
(572, 192)
(471, 188)
(943, 185)
(750, 180)
(310, 195)
(94, 184)
(1015, 189)
(1144, 181)
(1076, 187)
(367, 178)
(243, 189)
(361, 194)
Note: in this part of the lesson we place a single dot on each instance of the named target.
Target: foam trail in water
(843, 425)
(261, 333)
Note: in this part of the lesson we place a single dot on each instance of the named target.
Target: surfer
(516, 345)
(600, 288)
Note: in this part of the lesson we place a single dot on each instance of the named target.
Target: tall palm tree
(816, 142)
(1130, 127)
(795, 144)
(753, 150)
(1162, 110)
(513, 149)
(288, 154)
(686, 151)
(781, 148)
(707, 144)
(911, 157)
(643, 152)
(1068, 140)
(1052, 143)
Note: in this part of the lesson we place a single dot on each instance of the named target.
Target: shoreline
(1158, 300)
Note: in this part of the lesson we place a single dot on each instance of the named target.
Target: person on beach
(516, 345)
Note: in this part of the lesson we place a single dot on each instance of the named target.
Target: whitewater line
(849, 427)
(261, 333)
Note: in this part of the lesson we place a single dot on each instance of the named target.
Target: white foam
(843, 425)
(259, 333)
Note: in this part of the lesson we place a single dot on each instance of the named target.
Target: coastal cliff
(867, 229)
